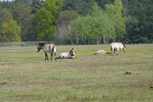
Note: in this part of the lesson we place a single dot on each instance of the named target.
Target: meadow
(26, 76)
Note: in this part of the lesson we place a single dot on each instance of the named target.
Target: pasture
(26, 76)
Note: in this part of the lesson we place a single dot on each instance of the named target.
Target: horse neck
(69, 53)
(42, 47)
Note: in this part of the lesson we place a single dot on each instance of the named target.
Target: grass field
(26, 76)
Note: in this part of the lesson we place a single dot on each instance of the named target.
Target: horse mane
(71, 50)
(124, 45)
(41, 44)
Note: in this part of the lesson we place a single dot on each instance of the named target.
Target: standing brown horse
(47, 48)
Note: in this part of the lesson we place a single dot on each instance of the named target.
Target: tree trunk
(77, 40)
(98, 42)
(104, 40)
(71, 41)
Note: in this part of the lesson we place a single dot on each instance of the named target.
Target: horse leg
(55, 55)
(46, 56)
(62, 57)
(117, 51)
(112, 51)
(51, 55)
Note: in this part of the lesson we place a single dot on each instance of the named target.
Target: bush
(143, 40)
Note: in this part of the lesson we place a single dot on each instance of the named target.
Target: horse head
(72, 52)
(124, 47)
(40, 46)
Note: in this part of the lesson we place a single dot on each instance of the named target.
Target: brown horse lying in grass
(69, 55)
(102, 52)
(51, 48)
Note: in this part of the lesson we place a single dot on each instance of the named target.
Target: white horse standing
(117, 46)
(69, 55)
(47, 48)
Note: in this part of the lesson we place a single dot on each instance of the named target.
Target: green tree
(46, 19)
(24, 19)
(139, 29)
(1, 19)
(7, 5)
(95, 26)
(36, 5)
(11, 31)
(104, 27)
(27, 2)
(6, 15)
(31, 34)
(65, 27)
(115, 13)
(0, 24)
(102, 3)
(82, 6)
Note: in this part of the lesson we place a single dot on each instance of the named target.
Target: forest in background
(77, 21)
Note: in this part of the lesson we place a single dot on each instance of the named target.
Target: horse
(117, 46)
(47, 48)
(102, 52)
(69, 55)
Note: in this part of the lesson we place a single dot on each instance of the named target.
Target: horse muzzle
(73, 54)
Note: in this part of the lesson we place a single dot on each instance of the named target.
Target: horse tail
(54, 49)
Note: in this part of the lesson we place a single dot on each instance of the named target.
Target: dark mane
(124, 45)
(71, 51)
(41, 44)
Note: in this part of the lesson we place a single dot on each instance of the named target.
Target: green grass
(25, 76)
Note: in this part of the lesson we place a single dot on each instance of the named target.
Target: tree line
(77, 21)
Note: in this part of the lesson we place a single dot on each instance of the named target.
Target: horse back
(49, 48)
(117, 45)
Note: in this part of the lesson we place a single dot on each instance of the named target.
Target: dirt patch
(127, 73)
(3, 83)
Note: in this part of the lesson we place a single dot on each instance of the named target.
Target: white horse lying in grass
(117, 46)
(69, 55)
(102, 52)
